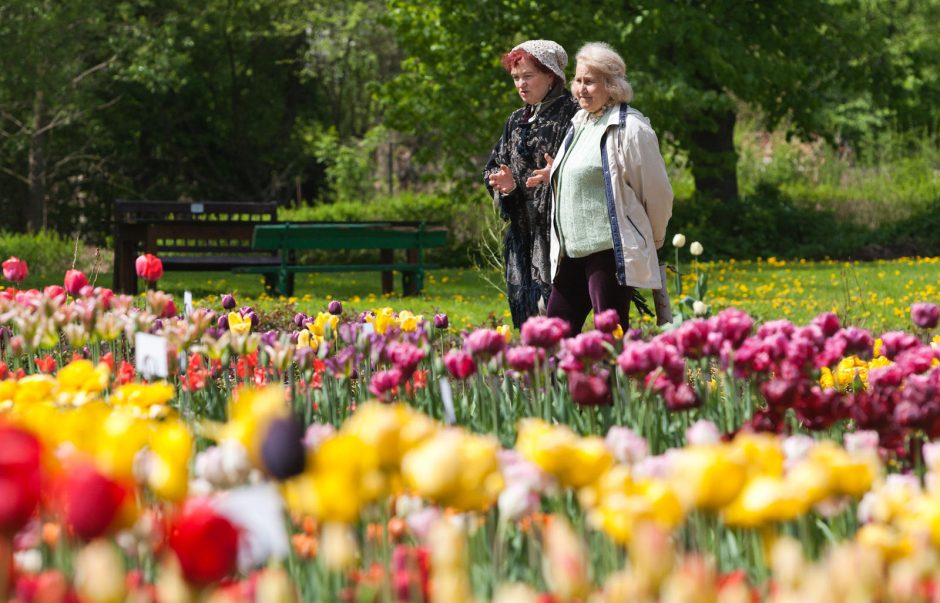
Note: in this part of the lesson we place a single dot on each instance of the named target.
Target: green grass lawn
(874, 295)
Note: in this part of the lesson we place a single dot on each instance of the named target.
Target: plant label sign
(150, 357)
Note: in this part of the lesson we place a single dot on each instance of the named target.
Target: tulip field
(156, 448)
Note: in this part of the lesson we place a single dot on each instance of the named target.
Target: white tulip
(696, 248)
(678, 240)
(699, 308)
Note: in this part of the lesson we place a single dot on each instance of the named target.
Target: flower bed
(380, 456)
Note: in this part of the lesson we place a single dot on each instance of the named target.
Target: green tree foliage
(691, 63)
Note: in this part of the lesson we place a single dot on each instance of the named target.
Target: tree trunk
(34, 212)
(714, 159)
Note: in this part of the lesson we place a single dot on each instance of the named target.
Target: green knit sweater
(581, 203)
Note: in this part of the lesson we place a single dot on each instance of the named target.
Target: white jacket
(639, 196)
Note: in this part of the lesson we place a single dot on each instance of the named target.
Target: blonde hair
(601, 58)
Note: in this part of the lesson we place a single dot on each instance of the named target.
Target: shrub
(49, 255)
(462, 219)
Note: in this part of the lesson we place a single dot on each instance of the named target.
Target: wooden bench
(201, 236)
(289, 237)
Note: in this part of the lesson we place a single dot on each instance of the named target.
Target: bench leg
(410, 281)
(388, 282)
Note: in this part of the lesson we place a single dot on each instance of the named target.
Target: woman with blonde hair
(611, 197)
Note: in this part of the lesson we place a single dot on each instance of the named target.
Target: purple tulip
(441, 321)
(925, 315)
(299, 319)
(223, 322)
(228, 301)
(269, 338)
(589, 390)
(335, 308)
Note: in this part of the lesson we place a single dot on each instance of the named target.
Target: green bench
(287, 238)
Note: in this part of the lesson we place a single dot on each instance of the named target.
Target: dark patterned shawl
(522, 147)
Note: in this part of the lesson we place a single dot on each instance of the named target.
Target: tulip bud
(699, 308)
(696, 248)
(678, 240)
(338, 548)
(15, 269)
(282, 451)
(74, 281)
(441, 321)
(925, 315)
(19, 478)
(205, 543)
(99, 573)
(149, 267)
(228, 301)
(335, 308)
(91, 501)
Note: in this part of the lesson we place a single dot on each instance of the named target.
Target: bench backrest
(136, 212)
(200, 228)
(348, 235)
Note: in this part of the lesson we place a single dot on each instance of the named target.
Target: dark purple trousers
(585, 284)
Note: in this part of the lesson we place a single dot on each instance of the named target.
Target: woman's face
(531, 83)
(590, 89)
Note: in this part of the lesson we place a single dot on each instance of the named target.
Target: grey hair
(605, 61)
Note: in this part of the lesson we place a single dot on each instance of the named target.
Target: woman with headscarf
(611, 197)
(530, 137)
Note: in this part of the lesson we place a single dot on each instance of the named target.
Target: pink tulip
(606, 321)
(485, 343)
(384, 383)
(543, 332)
(522, 358)
(15, 270)
(460, 364)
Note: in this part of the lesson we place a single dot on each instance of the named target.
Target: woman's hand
(542, 175)
(502, 180)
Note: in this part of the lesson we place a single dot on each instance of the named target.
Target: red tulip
(74, 281)
(149, 267)
(15, 269)
(19, 478)
(91, 501)
(205, 543)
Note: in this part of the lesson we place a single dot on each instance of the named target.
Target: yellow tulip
(588, 458)
(765, 499)
(169, 480)
(322, 321)
(384, 320)
(408, 321)
(250, 414)
(891, 543)
(306, 339)
(707, 477)
(143, 395)
(33, 389)
(851, 475)
(238, 324)
(505, 331)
